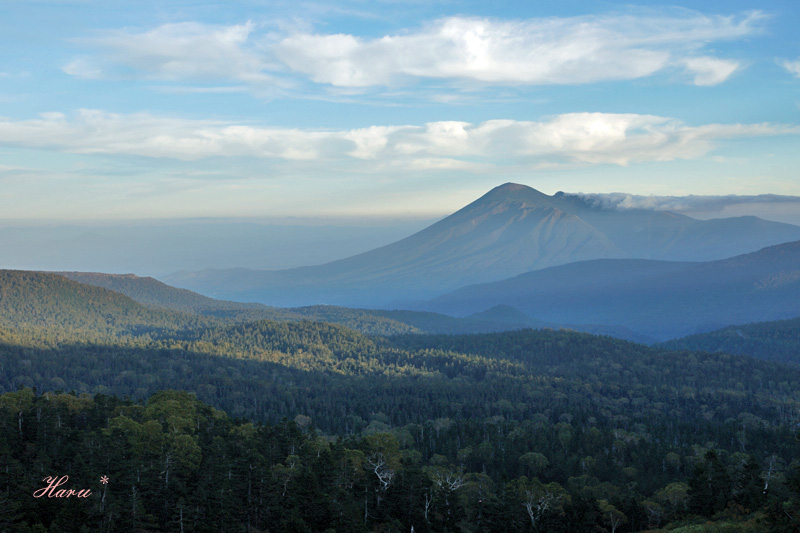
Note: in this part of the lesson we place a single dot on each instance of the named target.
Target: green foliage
(175, 462)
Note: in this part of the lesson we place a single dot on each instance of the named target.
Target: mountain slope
(654, 298)
(648, 234)
(50, 306)
(149, 291)
(510, 230)
(775, 340)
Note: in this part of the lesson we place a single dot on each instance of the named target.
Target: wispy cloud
(201, 90)
(793, 67)
(185, 51)
(709, 70)
(569, 139)
(768, 206)
(488, 51)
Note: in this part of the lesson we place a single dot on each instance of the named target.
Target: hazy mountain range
(153, 293)
(658, 299)
(511, 230)
(635, 299)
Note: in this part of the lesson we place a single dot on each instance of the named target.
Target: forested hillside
(149, 291)
(48, 306)
(529, 430)
(774, 341)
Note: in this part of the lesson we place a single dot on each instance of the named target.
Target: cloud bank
(539, 51)
(774, 207)
(543, 51)
(568, 139)
(678, 204)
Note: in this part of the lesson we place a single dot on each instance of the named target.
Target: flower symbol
(104, 480)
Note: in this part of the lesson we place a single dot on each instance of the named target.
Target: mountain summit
(514, 192)
(508, 231)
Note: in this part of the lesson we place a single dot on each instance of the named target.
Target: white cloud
(537, 51)
(570, 139)
(184, 51)
(709, 70)
(793, 67)
(490, 51)
(83, 67)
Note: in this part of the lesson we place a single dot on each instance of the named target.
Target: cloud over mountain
(624, 201)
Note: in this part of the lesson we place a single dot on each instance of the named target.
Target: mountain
(659, 299)
(511, 230)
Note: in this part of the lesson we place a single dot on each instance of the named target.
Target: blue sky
(137, 110)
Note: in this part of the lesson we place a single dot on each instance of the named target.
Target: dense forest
(307, 426)
(173, 463)
(776, 340)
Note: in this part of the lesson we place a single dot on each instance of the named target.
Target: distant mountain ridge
(659, 299)
(511, 230)
(153, 293)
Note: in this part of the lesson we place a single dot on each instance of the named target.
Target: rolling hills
(595, 421)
